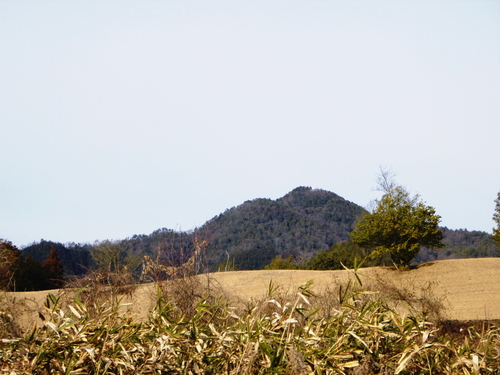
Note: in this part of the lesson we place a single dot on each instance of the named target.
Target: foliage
(398, 226)
(496, 219)
(112, 256)
(276, 335)
(280, 263)
(460, 243)
(342, 254)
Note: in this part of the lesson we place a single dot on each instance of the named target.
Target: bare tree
(386, 180)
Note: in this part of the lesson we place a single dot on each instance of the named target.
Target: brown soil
(466, 289)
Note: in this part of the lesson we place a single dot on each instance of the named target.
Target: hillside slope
(300, 223)
(467, 289)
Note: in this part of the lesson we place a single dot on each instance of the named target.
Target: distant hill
(460, 244)
(75, 258)
(301, 223)
(250, 235)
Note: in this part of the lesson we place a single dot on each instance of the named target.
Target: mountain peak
(301, 223)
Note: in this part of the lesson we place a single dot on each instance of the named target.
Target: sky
(122, 117)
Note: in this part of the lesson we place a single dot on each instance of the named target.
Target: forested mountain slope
(301, 223)
(250, 235)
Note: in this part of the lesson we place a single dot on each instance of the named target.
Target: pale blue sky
(121, 117)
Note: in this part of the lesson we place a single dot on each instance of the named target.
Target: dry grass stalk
(245, 367)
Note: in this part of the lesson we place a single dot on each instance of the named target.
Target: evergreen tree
(496, 219)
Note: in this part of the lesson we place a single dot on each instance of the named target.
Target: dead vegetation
(193, 327)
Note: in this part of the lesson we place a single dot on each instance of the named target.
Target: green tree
(496, 219)
(399, 225)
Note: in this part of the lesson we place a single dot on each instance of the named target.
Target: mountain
(250, 235)
(301, 223)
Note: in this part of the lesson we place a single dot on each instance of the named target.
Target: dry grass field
(462, 289)
(468, 289)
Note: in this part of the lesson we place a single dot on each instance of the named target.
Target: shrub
(278, 263)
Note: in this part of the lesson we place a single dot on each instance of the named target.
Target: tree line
(18, 273)
(307, 228)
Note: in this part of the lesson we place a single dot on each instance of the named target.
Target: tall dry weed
(101, 287)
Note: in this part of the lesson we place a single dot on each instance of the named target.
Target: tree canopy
(496, 219)
(399, 225)
(18, 273)
(113, 256)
